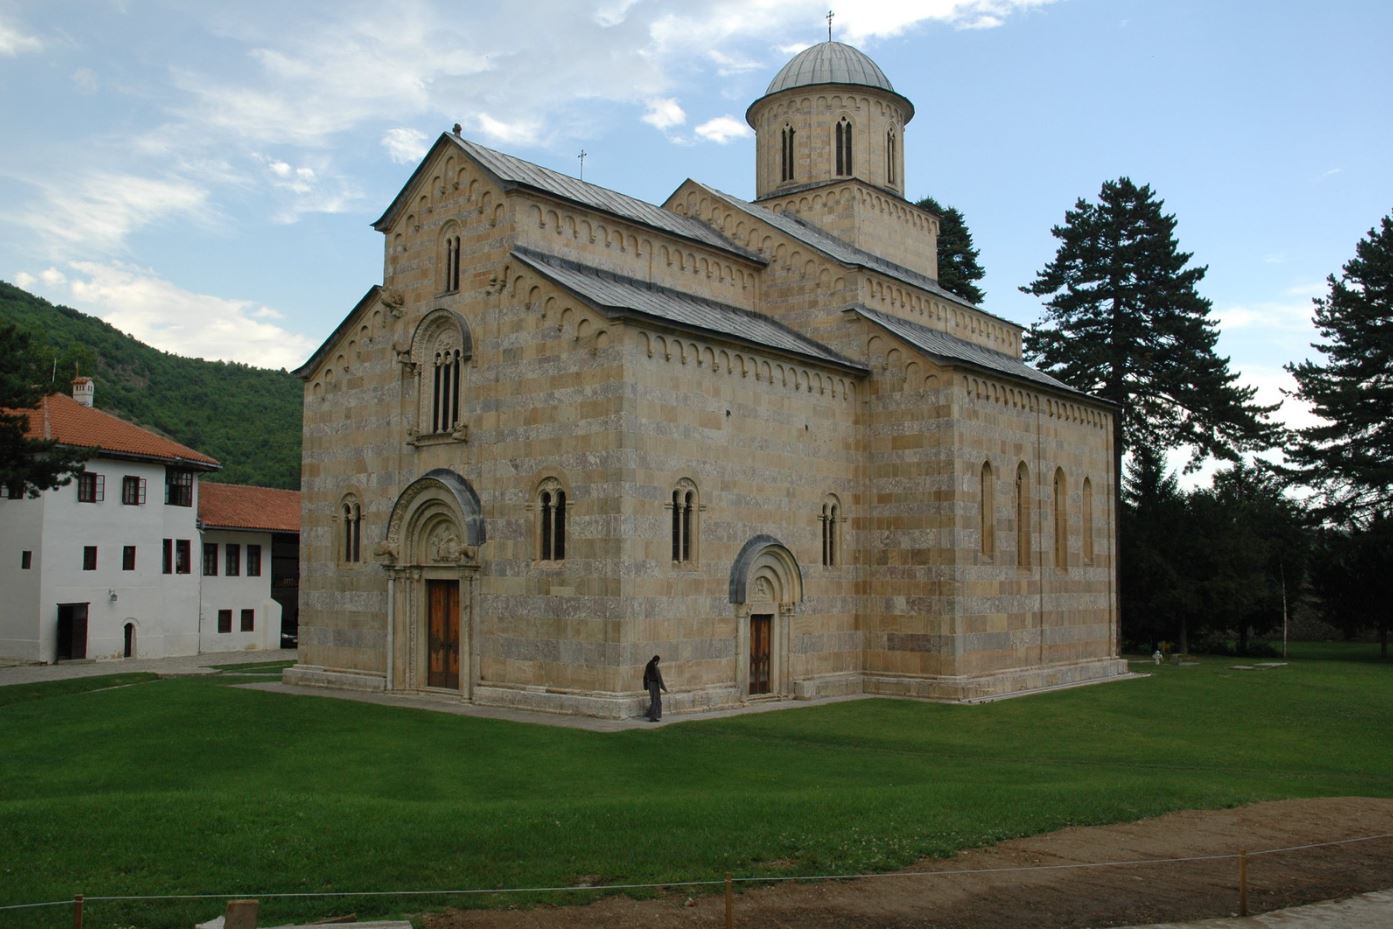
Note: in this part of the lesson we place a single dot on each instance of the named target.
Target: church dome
(829, 63)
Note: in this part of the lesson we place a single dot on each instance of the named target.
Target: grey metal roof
(617, 295)
(845, 252)
(950, 347)
(513, 171)
(829, 63)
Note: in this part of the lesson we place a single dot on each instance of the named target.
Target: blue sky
(203, 175)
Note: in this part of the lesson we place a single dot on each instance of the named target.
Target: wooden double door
(761, 632)
(443, 634)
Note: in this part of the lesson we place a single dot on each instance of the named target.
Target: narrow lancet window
(551, 528)
(843, 145)
(1023, 516)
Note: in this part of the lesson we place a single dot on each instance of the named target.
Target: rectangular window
(133, 491)
(89, 557)
(249, 620)
(15, 490)
(224, 620)
(128, 558)
(253, 561)
(210, 559)
(26, 560)
(91, 488)
(167, 561)
(178, 487)
(234, 560)
(183, 555)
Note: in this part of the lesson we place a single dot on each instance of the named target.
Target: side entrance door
(72, 631)
(760, 627)
(442, 643)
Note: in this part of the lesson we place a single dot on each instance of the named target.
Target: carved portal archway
(766, 586)
(430, 553)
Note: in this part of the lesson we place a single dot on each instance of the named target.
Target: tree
(1123, 321)
(1156, 599)
(30, 464)
(1352, 574)
(1348, 458)
(958, 269)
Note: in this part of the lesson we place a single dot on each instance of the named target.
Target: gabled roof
(305, 370)
(618, 296)
(62, 419)
(844, 252)
(950, 348)
(242, 506)
(512, 172)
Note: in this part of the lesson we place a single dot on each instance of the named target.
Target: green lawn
(191, 786)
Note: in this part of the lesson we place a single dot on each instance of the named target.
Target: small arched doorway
(128, 637)
(766, 586)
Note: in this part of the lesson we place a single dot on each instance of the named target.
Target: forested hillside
(247, 418)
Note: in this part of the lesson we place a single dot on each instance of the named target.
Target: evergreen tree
(1352, 574)
(1349, 457)
(28, 465)
(958, 268)
(1123, 321)
(1156, 599)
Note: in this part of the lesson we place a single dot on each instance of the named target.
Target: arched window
(988, 510)
(1061, 521)
(843, 140)
(445, 374)
(890, 157)
(450, 282)
(551, 521)
(440, 349)
(831, 531)
(786, 151)
(1022, 515)
(686, 510)
(351, 529)
(1087, 503)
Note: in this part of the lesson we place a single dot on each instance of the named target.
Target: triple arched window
(551, 521)
(445, 380)
(786, 155)
(350, 517)
(842, 131)
(686, 513)
(440, 350)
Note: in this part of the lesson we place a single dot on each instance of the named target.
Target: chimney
(83, 389)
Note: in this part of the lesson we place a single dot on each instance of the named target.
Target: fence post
(1243, 882)
(730, 904)
(77, 911)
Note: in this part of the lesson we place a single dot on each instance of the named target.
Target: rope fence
(78, 901)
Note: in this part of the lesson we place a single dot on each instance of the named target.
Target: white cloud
(613, 12)
(96, 213)
(664, 113)
(405, 146)
(13, 42)
(522, 131)
(138, 301)
(25, 281)
(723, 129)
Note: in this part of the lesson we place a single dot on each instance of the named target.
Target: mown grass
(191, 786)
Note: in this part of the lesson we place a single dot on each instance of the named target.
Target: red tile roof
(61, 417)
(240, 506)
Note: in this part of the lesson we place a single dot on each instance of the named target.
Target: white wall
(238, 593)
(21, 529)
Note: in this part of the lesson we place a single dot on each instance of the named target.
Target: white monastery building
(107, 567)
(571, 430)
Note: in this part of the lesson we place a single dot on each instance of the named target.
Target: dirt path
(1046, 899)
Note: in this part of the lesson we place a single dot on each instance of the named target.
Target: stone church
(572, 429)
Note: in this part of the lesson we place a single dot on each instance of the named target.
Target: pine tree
(1349, 457)
(1124, 321)
(958, 268)
(27, 465)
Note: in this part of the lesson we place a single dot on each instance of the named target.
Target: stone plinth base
(970, 688)
(602, 705)
(311, 676)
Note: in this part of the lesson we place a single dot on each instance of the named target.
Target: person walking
(653, 683)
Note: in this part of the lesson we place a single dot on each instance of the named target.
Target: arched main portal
(766, 586)
(430, 554)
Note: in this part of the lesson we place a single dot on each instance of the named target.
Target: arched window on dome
(890, 157)
(843, 133)
(786, 161)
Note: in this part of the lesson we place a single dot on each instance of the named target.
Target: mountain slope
(247, 418)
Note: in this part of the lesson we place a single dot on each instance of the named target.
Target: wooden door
(442, 643)
(72, 631)
(760, 628)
